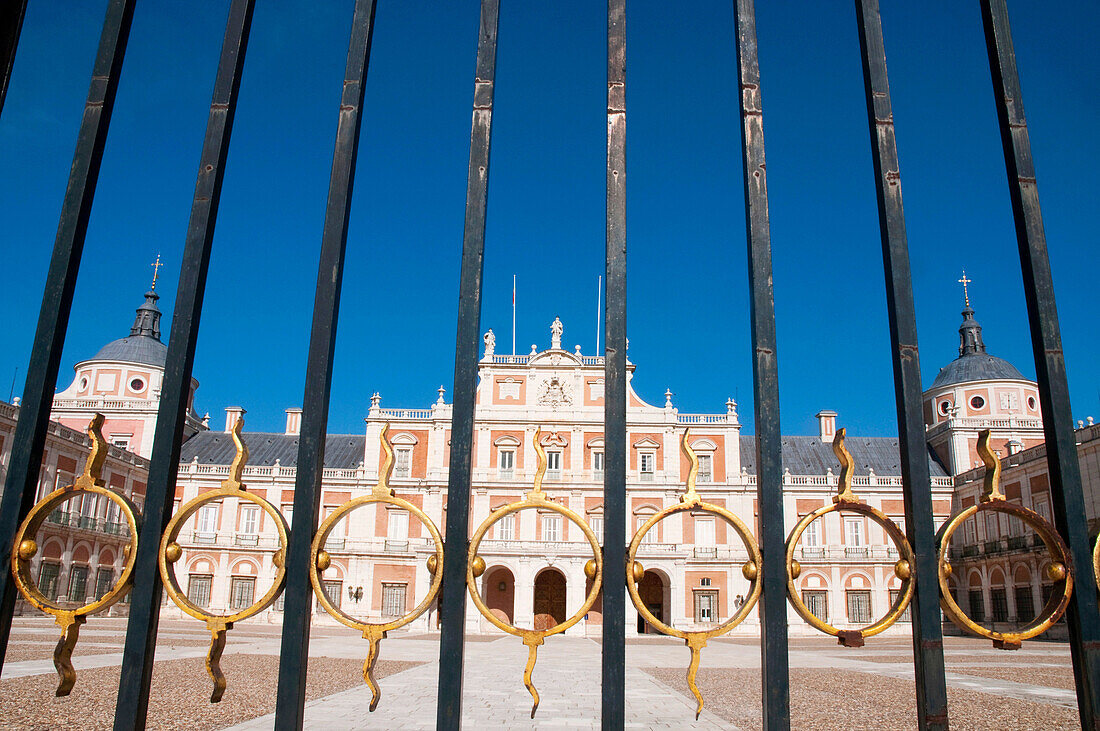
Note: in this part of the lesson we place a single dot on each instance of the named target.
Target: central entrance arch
(500, 593)
(549, 599)
(652, 589)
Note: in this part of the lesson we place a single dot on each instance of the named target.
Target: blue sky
(687, 302)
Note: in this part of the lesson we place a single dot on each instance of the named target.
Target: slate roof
(976, 367)
(135, 349)
(342, 451)
(809, 456)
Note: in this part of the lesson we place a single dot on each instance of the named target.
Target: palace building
(535, 560)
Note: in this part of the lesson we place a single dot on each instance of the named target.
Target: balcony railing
(991, 547)
(246, 539)
(397, 546)
(85, 522)
(203, 537)
(706, 552)
(813, 552)
(857, 551)
(1016, 543)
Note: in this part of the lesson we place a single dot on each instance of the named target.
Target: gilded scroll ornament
(171, 552)
(1059, 571)
(847, 501)
(70, 620)
(534, 500)
(374, 632)
(691, 502)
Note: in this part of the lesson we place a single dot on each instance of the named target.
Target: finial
(847, 468)
(966, 292)
(689, 496)
(992, 486)
(236, 470)
(382, 489)
(668, 397)
(156, 270)
(440, 391)
(93, 466)
(536, 441)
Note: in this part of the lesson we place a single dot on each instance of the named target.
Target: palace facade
(535, 560)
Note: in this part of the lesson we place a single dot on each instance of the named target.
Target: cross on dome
(156, 270)
(966, 292)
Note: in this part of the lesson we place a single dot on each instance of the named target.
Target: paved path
(567, 677)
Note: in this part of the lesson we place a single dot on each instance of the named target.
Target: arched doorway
(652, 591)
(499, 589)
(549, 599)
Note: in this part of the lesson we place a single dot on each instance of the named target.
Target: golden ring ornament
(171, 552)
(1060, 570)
(593, 569)
(690, 501)
(91, 482)
(846, 501)
(374, 632)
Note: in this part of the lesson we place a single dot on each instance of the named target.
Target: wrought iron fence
(927, 566)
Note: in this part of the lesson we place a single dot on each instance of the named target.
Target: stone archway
(652, 590)
(499, 589)
(550, 590)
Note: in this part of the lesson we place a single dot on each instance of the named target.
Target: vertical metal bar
(57, 299)
(294, 653)
(11, 23)
(614, 481)
(774, 666)
(452, 601)
(1050, 366)
(132, 702)
(916, 480)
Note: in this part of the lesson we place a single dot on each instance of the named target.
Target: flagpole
(513, 314)
(599, 294)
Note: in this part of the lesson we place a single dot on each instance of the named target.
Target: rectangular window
(338, 527)
(78, 584)
(198, 589)
(403, 465)
(817, 601)
(977, 606)
(506, 461)
(970, 531)
(47, 580)
(992, 528)
(241, 591)
(650, 535)
(706, 606)
(334, 590)
(1043, 509)
(704, 531)
(103, 581)
(1025, 604)
(595, 522)
(859, 606)
(393, 599)
(998, 600)
(705, 471)
(250, 519)
(597, 464)
(553, 465)
(646, 462)
(506, 528)
(853, 531)
(551, 528)
(208, 518)
(288, 513)
(811, 537)
(905, 616)
(398, 525)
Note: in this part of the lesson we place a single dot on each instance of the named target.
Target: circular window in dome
(137, 384)
(84, 384)
(1031, 402)
(977, 402)
(945, 406)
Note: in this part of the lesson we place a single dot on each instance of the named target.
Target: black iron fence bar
(452, 601)
(132, 702)
(774, 665)
(916, 480)
(1050, 367)
(294, 653)
(57, 298)
(614, 476)
(11, 23)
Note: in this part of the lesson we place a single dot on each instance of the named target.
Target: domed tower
(979, 391)
(123, 382)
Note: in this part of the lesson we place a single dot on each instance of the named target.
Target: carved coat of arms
(554, 392)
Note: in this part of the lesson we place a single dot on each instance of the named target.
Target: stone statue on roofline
(555, 334)
(490, 343)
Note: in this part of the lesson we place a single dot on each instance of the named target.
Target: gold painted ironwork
(847, 501)
(1060, 570)
(534, 500)
(320, 560)
(171, 552)
(70, 620)
(690, 501)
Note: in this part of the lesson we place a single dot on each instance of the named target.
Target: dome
(135, 349)
(976, 367)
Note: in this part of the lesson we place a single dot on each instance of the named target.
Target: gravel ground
(1046, 676)
(837, 700)
(18, 652)
(180, 696)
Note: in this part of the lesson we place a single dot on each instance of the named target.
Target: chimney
(233, 414)
(293, 422)
(1015, 446)
(826, 424)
